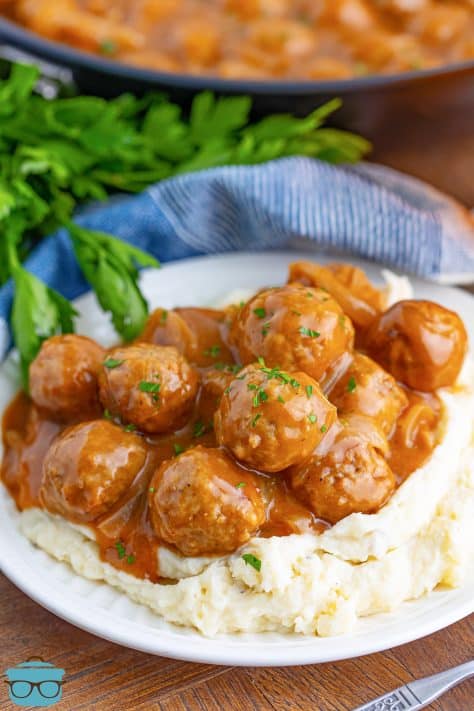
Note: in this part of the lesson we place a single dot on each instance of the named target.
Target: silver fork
(418, 694)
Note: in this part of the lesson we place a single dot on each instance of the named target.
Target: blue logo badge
(35, 683)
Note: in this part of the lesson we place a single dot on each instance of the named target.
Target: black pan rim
(62, 54)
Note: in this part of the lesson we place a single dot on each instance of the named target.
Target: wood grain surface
(100, 675)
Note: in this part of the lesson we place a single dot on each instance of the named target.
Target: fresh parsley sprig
(110, 267)
(58, 153)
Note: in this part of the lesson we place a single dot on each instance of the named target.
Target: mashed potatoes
(314, 584)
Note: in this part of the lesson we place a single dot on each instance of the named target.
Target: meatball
(151, 387)
(368, 389)
(351, 476)
(420, 343)
(63, 377)
(196, 333)
(348, 285)
(203, 503)
(88, 468)
(167, 328)
(271, 419)
(214, 381)
(293, 327)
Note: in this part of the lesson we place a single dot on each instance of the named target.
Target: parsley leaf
(255, 419)
(110, 266)
(200, 429)
(146, 387)
(213, 351)
(111, 363)
(252, 560)
(38, 312)
(308, 332)
(120, 548)
(351, 385)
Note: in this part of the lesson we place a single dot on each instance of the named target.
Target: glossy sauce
(124, 535)
(254, 39)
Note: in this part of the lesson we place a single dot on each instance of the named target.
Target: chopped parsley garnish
(151, 489)
(323, 429)
(252, 560)
(112, 363)
(108, 415)
(309, 294)
(297, 313)
(252, 386)
(277, 373)
(227, 390)
(130, 427)
(147, 387)
(120, 548)
(309, 390)
(260, 313)
(280, 399)
(234, 369)
(351, 385)
(164, 316)
(240, 485)
(131, 559)
(109, 47)
(178, 448)
(265, 329)
(259, 397)
(342, 321)
(213, 351)
(308, 332)
(255, 419)
(312, 418)
(200, 428)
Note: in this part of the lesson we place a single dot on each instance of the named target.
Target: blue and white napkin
(365, 210)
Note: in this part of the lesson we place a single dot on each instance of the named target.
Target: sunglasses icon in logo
(35, 683)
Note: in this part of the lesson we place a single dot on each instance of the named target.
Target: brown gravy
(125, 537)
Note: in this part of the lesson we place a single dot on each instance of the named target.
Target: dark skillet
(420, 121)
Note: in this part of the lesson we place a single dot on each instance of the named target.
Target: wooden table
(100, 675)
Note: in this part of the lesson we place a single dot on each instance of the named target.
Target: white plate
(102, 610)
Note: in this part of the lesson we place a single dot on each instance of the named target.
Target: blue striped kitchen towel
(363, 210)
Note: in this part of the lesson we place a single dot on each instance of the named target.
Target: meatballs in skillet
(350, 476)
(204, 504)
(63, 377)
(88, 468)
(367, 389)
(271, 419)
(294, 327)
(151, 387)
(420, 343)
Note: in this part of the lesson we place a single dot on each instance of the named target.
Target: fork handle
(429, 688)
(418, 694)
